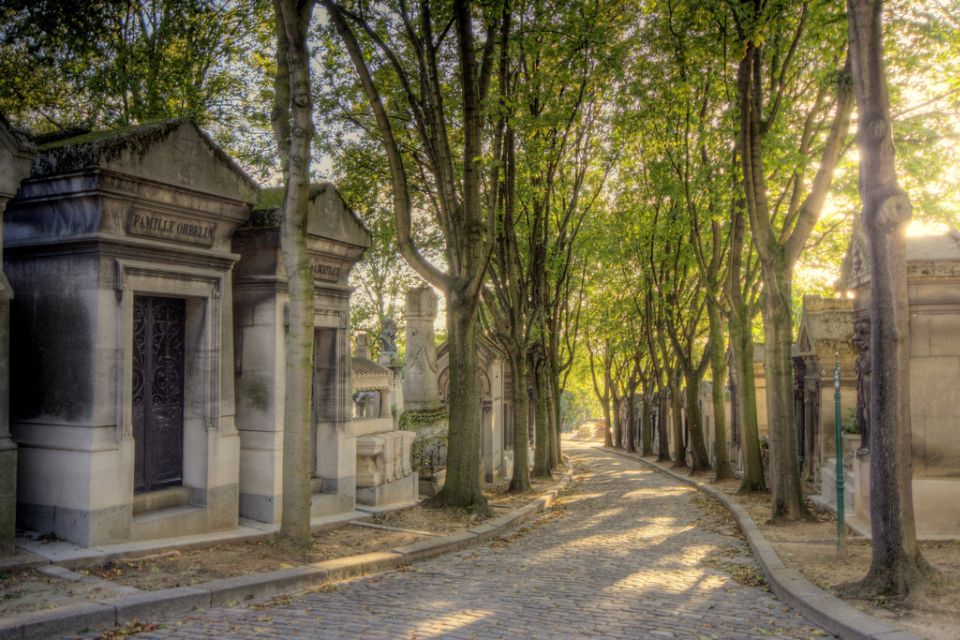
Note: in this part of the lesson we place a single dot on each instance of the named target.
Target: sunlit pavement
(620, 556)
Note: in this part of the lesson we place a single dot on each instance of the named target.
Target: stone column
(16, 153)
(420, 391)
(363, 345)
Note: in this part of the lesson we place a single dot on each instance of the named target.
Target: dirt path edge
(817, 605)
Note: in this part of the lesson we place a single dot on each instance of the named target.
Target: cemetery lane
(626, 552)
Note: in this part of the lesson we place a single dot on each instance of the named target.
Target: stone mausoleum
(494, 404)
(16, 154)
(933, 281)
(825, 334)
(118, 247)
(336, 239)
(384, 464)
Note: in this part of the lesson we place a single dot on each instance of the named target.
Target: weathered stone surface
(420, 392)
(933, 279)
(336, 239)
(106, 218)
(16, 153)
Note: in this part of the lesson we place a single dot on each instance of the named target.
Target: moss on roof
(89, 149)
(157, 128)
(271, 199)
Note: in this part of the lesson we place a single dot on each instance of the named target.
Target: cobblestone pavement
(625, 553)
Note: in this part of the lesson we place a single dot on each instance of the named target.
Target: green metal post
(841, 526)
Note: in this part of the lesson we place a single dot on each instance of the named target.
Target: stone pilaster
(16, 153)
(420, 390)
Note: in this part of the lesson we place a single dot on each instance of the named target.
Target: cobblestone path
(625, 553)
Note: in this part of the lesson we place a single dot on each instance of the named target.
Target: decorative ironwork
(158, 366)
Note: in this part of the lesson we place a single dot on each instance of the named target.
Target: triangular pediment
(16, 152)
(175, 152)
(855, 268)
(330, 217)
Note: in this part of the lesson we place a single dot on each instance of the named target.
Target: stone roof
(931, 255)
(324, 197)
(16, 152)
(367, 375)
(826, 323)
(365, 367)
(945, 247)
(175, 151)
(17, 137)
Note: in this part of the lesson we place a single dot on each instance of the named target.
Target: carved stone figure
(864, 368)
(388, 343)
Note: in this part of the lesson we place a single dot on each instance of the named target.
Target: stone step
(325, 504)
(167, 523)
(162, 499)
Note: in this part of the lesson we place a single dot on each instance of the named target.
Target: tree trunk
(617, 433)
(646, 428)
(787, 495)
(520, 480)
(663, 429)
(698, 449)
(718, 371)
(745, 395)
(554, 397)
(462, 485)
(293, 127)
(679, 446)
(607, 435)
(896, 566)
(541, 452)
(632, 421)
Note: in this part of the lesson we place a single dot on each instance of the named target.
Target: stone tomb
(933, 279)
(118, 246)
(16, 154)
(826, 331)
(384, 463)
(336, 239)
(494, 404)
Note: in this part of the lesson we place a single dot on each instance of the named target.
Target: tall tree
(293, 127)
(423, 69)
(773, 36)
(897, 566)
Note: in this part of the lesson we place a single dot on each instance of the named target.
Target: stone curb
(817, 605)
(89, 616)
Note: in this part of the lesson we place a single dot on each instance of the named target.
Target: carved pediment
(175, 152)
(16, 152)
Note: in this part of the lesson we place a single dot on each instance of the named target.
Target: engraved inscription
(325, 271)
(150, 224)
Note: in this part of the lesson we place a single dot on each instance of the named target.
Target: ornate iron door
(158, 358)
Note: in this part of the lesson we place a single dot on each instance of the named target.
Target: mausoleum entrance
(158, 358)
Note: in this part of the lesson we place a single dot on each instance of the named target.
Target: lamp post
(841, 527)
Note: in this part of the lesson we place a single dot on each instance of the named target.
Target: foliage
(415, 420)
(119, 62)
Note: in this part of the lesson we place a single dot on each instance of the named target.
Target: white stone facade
(103, 220)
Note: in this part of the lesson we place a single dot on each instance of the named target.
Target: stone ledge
(819, 606)
(152, 604)
(99, 615)
(58, 622)
(255, 585)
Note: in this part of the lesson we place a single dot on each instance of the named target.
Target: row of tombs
(836, 331)
(144, 305)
